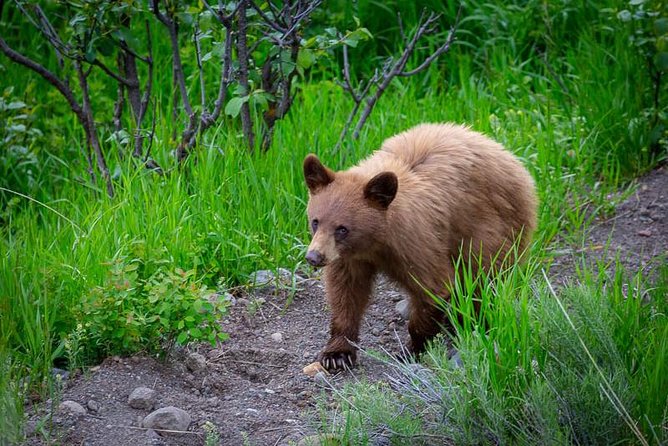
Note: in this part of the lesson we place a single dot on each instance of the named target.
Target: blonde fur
(458, 193)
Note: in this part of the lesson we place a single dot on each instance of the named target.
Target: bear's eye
(341, 232)
(314, 225)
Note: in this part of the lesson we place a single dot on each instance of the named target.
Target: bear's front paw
(340, 360)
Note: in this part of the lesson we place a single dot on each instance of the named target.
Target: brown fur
(408, 210)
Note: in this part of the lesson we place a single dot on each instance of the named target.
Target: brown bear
(430, 195)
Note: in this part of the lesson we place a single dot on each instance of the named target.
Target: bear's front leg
(348, 286)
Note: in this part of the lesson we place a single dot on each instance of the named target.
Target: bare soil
(253, 389)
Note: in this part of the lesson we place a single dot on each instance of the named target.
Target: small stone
(195, 362)
(72, 407)
(93, 406)
(167, 418)
(645, 233)
(262, 278)
(403, 309)
(277, 337)
(142, 398)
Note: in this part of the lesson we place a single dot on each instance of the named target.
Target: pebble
(277, 337)
(142, 398)
(93, 406)
(645, 233)
(168, 418)
(72, 407)
(403, 309)
(195, 362)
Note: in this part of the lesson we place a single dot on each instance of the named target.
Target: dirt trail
(252, 387)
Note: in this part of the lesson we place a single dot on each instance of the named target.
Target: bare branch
(273, 23)
(391, 69)
(225, 79)
(177, 66)
(49, 76)
(438, 52)
(198, 58)
(117, 77)
(91, 130)
(346, 76)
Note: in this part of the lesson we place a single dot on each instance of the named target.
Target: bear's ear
(381, 189)
(316, 174)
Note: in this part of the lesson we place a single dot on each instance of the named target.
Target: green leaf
(661, 60)
(305, 58)
(661, 26)
(233, 107)
(182, 337)
(126, 35)
(196, 333)
(15, 105)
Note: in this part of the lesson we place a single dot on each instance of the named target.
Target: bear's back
(455, 186)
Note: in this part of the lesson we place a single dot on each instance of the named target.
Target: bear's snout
(315, 258)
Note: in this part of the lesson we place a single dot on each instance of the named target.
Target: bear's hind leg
(426, 321)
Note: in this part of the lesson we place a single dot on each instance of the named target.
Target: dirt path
(252, 387)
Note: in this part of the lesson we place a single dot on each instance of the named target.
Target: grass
(581, 366)
(574, 108)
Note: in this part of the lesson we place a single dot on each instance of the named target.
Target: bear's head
(347, 212)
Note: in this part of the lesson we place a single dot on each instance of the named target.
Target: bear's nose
(315, 258)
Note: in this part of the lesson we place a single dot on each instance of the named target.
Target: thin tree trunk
(242, 54)
(90, 128)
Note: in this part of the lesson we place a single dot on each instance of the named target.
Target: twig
(391, 69)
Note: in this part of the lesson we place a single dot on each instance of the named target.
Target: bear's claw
(337, 361)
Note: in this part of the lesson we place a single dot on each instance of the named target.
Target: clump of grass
(586, 365)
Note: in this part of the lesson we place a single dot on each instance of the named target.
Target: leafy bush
(128, 313)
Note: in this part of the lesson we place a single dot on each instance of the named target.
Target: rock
(223, 298)
(314, 368)
(403, 309)
(645, 233)
(72, 408)
(195, 362)
(152, 435)
(93, 406)
(142, 398)
(277, 337)
(167, 418)
(265, 278)
(262, 278)
(60, 374)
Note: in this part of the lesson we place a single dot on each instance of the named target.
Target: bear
(428, 196)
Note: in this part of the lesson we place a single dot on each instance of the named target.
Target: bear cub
(430, 195)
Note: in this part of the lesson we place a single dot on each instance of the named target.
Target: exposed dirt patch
(636, 235)
(252, 387)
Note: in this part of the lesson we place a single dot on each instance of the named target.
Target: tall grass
(584, 366)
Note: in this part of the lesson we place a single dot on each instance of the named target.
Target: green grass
(584, 366)
(574, 107)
